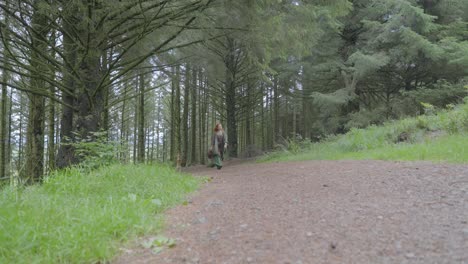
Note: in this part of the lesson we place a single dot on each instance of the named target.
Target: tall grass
(83, 218)
(442, 136)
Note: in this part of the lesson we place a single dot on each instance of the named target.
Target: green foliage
(439, 136)
(298, 144)
(451, 148)
(77, 217)
(364, 64)
(439, 95)
(389, 56)
(96, 151)
(365, 118)
(428, 108)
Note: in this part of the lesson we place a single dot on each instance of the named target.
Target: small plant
(421, 122)
(96, 151)
(428, 108)
(297, 144)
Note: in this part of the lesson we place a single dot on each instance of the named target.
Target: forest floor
(319, 212)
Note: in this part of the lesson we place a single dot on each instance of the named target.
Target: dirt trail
(321, 212)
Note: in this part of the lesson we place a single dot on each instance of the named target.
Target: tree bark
(34, 168)
(178, 139)
(230, 97)
(141, 119)
(172, 140)
(51, 132)
(185, 121)
(193, 121)
(276, 123)
(51, 122)
(3, 103)
(66, 152)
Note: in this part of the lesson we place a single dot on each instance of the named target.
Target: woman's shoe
(219, 167)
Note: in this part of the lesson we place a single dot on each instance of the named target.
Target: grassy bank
(440, 137)
(83, 218)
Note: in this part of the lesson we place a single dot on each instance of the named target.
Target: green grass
(83, 218)
(451, 149)
(442, 137)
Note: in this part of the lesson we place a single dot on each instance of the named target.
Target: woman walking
(218, 144)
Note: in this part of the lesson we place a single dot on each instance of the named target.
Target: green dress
(217, 144)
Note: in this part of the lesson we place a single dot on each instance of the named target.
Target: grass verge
(83, 218)
(440, 137)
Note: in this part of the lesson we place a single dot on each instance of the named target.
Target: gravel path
(321, 212)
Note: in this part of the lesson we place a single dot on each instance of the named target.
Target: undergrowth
(435, 136)
(83, 217)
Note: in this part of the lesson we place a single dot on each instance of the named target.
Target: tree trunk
(185, 121)
(249, 110)
(66, 152)
(158, 127)
(51, 132)
(172, 141)
(178, 139)
(262, 116)
(135, 126)
(193, 121)
(35, 132)
(3, 103)
(3, 128)
(21, 133)
(123, 144)
(202, 119)
(230, 98)
(51, 121)
(106, 91)
(276, 103)
(90, 92)
(141, 120)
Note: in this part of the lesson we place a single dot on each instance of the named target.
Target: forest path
(320, 212)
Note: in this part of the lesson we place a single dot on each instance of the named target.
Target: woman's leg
(217, 161)
(221, 151)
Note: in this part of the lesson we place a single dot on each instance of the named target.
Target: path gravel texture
(320, 212)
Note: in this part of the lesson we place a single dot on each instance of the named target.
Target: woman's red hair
(216, 129)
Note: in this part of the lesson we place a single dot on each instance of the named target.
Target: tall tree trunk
(250, 106)
(135, 126)
(202, 110)
(123, 126)
(194, 88)
(306, 105)
(66, 152)
(185, 121)
(90, 92)
(3, 103)
(141, 119)
(158, 127)
(19, 166)
(172, 141)
(153, 143)
(51, 121)
(178, 139)
(262, 116)
(34, 168)
(10, 131)
(51, 132)
(276, 123)
(230, 97)
(106, 92)
(3, 128)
